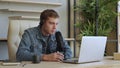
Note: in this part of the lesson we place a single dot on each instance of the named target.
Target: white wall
(4, 21)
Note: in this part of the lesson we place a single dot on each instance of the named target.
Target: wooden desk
(106, 63)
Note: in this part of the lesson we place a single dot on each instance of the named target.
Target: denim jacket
(32, 42)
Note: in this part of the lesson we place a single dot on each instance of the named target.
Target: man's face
(49, 26)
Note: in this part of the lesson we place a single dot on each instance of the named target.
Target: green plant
(86, 20)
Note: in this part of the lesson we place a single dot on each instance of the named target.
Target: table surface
(108, 62)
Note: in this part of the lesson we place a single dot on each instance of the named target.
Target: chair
(15, 30)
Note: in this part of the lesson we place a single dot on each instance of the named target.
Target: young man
(41, 40)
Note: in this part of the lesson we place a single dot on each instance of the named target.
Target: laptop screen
(92, 48)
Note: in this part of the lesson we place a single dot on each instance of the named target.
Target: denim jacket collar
(39, 35)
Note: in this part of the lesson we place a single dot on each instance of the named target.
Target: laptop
(92, 49)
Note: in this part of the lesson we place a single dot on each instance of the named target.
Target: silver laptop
(92, 49)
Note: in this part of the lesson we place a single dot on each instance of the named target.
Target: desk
(106, 63)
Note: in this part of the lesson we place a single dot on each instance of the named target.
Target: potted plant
(86, 20)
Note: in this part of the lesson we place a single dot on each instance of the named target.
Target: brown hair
(46, 14)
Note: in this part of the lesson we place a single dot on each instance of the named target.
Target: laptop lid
(92, 48)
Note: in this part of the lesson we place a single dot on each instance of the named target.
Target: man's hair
(46, 14)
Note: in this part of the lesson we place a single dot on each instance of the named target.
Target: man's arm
(24, 52)
(67, 50)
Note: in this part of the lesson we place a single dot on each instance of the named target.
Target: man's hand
(57, 56)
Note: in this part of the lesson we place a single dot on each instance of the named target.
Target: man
(41, 40)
